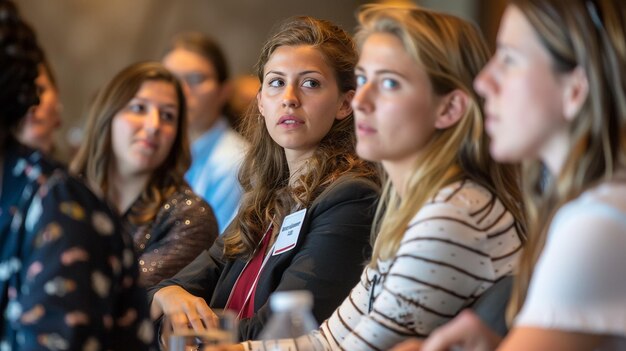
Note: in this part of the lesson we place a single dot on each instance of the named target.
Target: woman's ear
(575, 92)
(345, 109)
(452, 108)
(258, 101)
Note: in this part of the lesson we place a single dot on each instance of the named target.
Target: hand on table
(465, 332)
(182, 309)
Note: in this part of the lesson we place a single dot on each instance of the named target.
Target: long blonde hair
(264, 174)
(452, 51)
(590, 35)
(95, 156)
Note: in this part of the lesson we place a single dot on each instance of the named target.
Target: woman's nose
(152, 120)
(290, 97)
(361, 100)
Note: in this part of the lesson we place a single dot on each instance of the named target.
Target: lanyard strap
(256, 278)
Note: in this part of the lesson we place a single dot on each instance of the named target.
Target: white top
(454, 248)
(579, 283)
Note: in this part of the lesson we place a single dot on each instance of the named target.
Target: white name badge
(289, 232)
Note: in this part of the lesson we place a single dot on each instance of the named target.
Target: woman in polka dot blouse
(136, 154)
(68, 274)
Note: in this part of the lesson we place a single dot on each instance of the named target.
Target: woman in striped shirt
(449, 224)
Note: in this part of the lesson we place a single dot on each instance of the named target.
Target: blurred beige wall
(88, 41)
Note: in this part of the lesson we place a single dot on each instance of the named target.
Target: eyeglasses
(194, 79)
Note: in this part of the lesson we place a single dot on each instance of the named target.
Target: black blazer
(327, 260)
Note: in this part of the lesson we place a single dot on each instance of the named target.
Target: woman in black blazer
(309, 201)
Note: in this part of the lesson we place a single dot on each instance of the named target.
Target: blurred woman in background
(68, 274)
(216, 149)
(42, 121)
(135, 154)
(556, 98)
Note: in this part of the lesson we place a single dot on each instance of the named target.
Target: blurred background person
(136, 153)
(216, 149)
(556, 98)
(38, 128)
(69, 278)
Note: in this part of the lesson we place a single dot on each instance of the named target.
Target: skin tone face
(144, 131)
(525, 98)
(43, 120)
(396, 110)
(300, 100)
(204, 95)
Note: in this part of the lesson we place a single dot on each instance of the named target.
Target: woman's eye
(276, 83)
(310, 83)
(194, 79)
(389, 83)
(360, 80)
(508, 60)
(168, 116)
(137, 108)
(505, 58)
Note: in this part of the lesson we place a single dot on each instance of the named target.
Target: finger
(409, 345)
(208, 316)
(195, 320)
(179, 322)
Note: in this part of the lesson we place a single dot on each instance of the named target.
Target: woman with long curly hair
(308, 200)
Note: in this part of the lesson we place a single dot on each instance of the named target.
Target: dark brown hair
(205, 46)
(19, 58)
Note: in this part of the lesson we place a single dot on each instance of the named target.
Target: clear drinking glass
(224, 332)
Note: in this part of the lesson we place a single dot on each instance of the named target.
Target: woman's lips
(364, 129)
(148, 144)
(289, 121)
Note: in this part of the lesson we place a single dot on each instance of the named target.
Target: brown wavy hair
(452, 51)
(95, 155)
(590, 35)
(264, 174)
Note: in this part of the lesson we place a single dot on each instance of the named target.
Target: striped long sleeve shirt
(456, 247)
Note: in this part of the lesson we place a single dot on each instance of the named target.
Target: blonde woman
(449, 223)
(556, 98)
